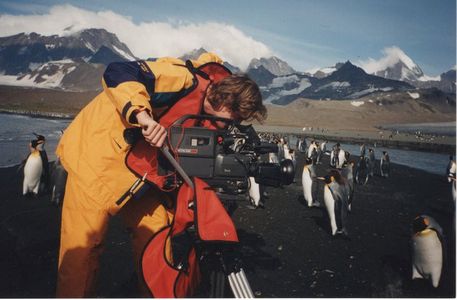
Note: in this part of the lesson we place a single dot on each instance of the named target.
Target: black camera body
(225, 158)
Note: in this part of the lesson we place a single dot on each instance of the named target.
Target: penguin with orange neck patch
(33, 169)
(45, 175)
(336, 200)
(427, 249)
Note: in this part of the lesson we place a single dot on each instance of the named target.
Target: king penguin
(427, 249)
(336, 195)
(33, 169)
(59, 180)
(361, 171)
(308, 177)
(371, 162)
(384, 164)
(312, 151)
(45, 175)
(348, 173)
(341, 158)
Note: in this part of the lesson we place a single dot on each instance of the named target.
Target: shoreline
(394, 165)
(38, 114)
(442, 144)
(438, 144)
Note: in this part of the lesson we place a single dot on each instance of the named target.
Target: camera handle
(176, 165)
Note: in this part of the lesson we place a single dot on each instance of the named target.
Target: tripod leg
(246, 284)
(213, 284)
(220, 286)
(240, 285)
(234, 286)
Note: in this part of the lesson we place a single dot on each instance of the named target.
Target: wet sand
(287, 247)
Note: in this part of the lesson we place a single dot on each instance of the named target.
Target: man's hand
(153, 132)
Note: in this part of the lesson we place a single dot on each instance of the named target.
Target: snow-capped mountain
(445, 82)
(397, 65)
(74, 62)
(73, 75)
(273, 64)
(347, 82)
(22, 53)
(261, 75)
(194, 54)
(403, 69)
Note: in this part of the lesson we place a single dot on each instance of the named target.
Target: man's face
(223, 112)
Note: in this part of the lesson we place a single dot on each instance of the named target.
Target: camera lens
(287, 172)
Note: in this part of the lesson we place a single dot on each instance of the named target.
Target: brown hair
(241, 95)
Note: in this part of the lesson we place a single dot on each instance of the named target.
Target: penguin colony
(427, 236)
(427, 248)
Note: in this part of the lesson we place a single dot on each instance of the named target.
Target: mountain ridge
(60, 62)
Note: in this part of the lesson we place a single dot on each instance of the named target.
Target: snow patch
(89, 46)
(279, 82)
(33, 66)
(429, 78)
(62, 61)
(357, 103)
(414, 95)
(46, 81)
(270, 99)
(368, 91)
(123, 53)
(334, 85)
(22, 51)
(392, 55)
(327, 70)
(303, 85)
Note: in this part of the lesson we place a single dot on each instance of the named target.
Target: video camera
(225, 158)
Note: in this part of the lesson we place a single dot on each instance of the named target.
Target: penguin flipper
(21, 166)
(435, 279)
(416, 273)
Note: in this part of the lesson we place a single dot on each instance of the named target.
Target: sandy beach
(287, 247)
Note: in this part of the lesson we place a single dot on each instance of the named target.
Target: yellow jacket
(93, 149)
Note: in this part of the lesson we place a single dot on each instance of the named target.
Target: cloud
(392, 55)
(146, 39)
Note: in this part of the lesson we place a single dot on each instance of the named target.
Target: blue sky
(306, 34)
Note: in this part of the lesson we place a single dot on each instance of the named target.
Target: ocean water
(435, 163)
(16, 132)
